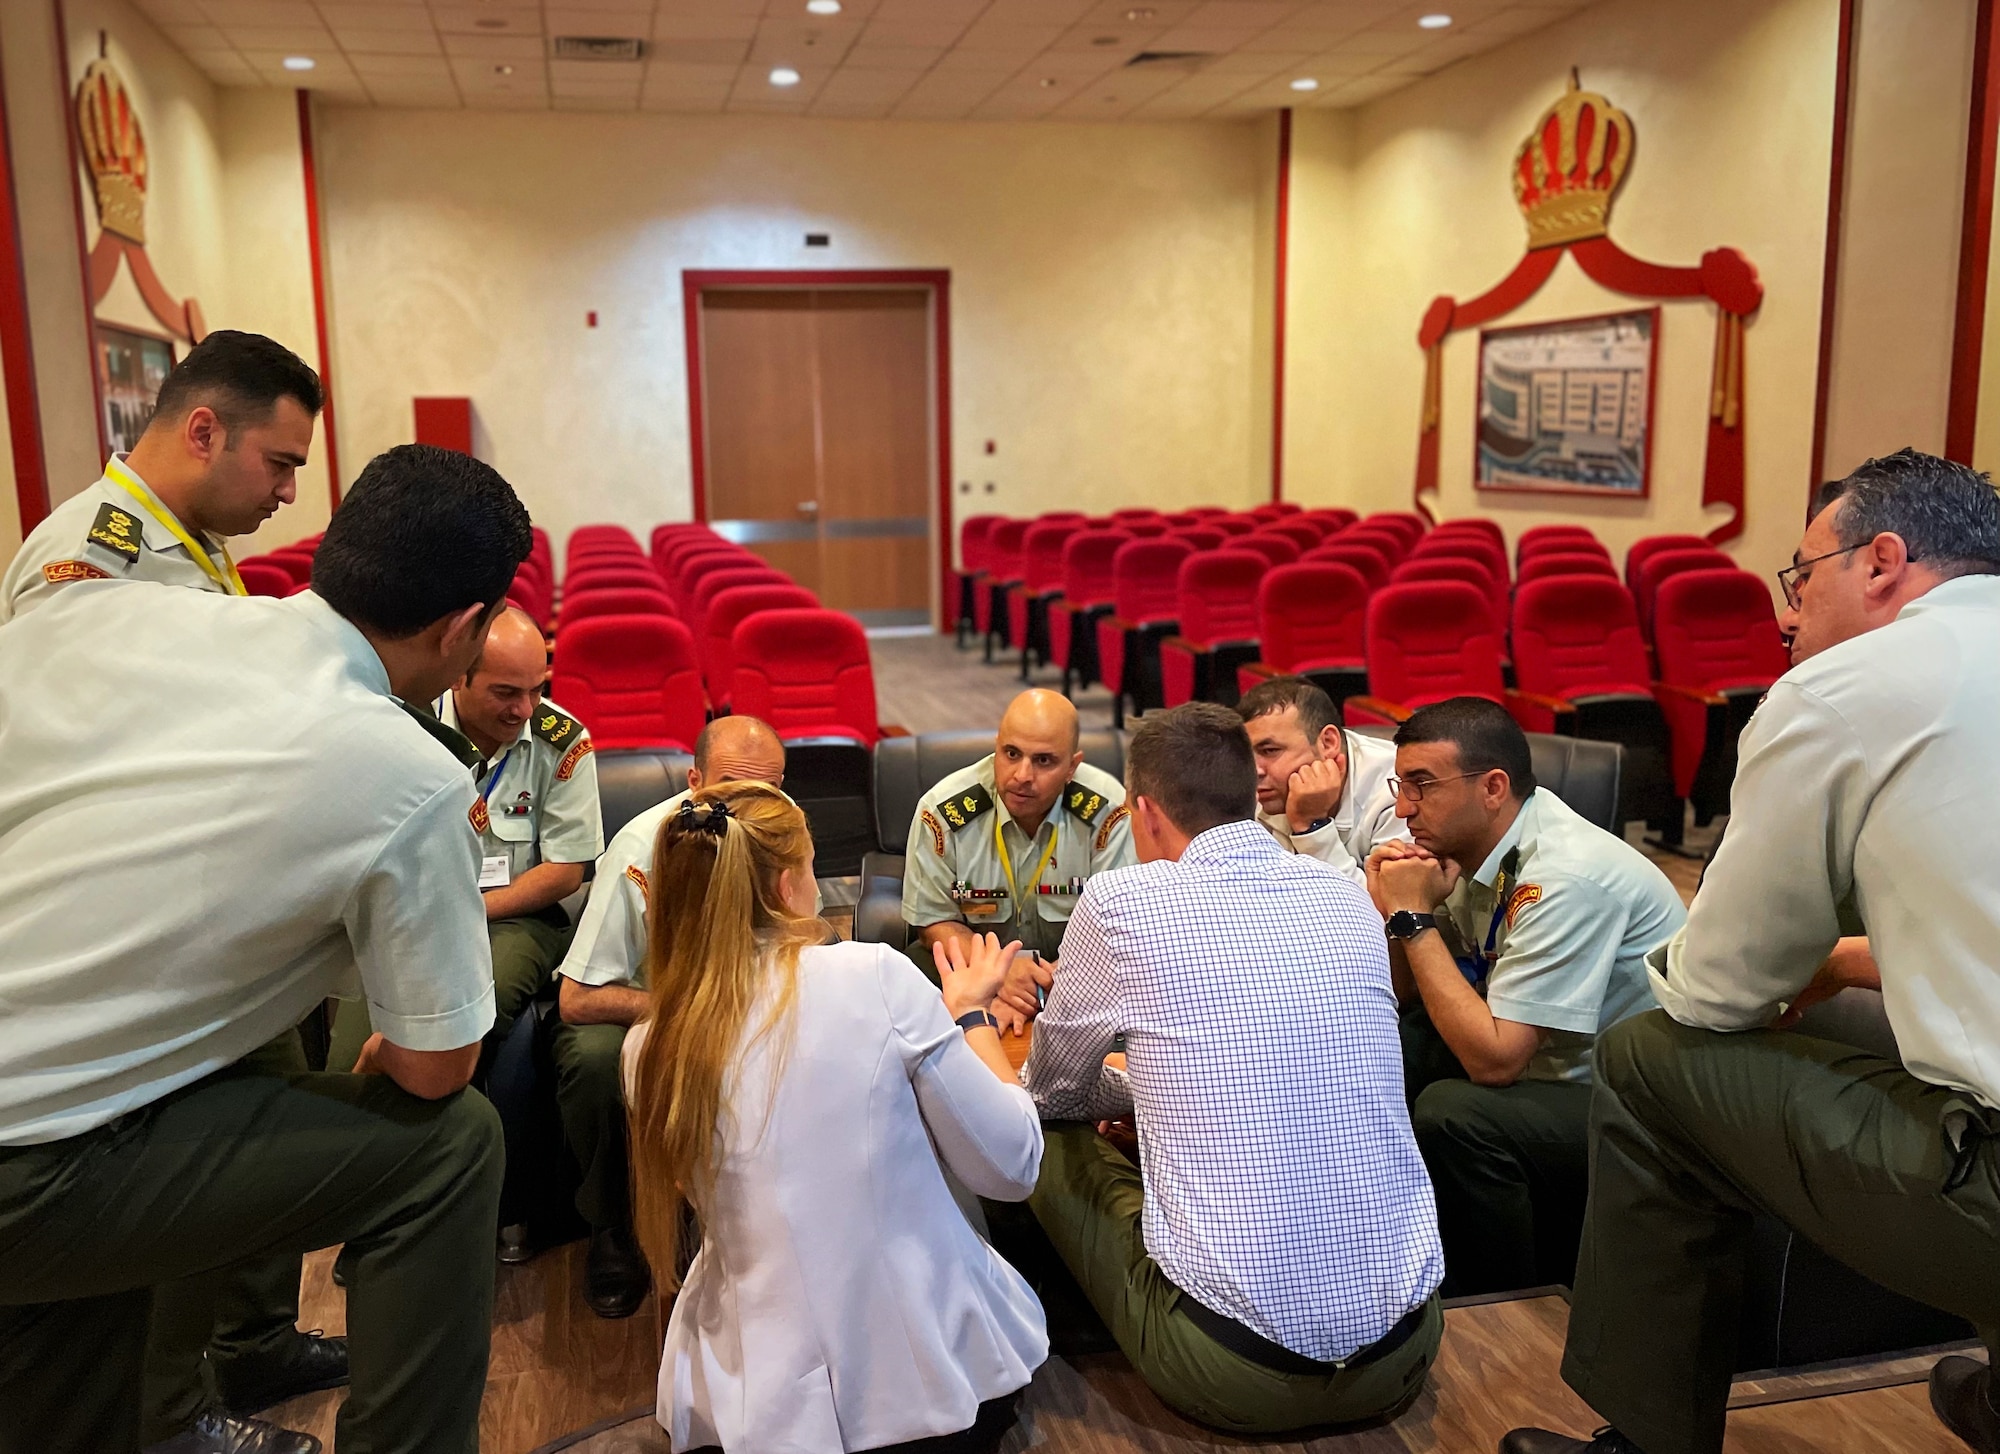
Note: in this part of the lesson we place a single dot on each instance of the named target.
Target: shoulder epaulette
(961, 808)
(455, 742)
(558, 729)
(1083, 803)
(116, 530)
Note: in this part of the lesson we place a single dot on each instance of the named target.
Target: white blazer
(840, 1300)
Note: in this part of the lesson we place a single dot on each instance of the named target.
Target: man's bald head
(737, 750)
(1041, 713)
(505, 683)
(1035, 754)
(513, 644)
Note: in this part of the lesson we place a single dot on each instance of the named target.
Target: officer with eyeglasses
(1518, 933)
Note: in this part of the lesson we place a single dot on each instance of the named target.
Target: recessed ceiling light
(823, 7)
(299, 63)
(1433, 22)
(1305, 83)
(784, 76)
(503, 70)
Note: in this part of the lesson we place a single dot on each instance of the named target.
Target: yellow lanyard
(1007, 860)
(232, 584)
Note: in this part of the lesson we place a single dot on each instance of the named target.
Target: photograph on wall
(132, 365)
(1567, 406)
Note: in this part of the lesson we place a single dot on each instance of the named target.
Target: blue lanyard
(1475, 967)
(486, 794)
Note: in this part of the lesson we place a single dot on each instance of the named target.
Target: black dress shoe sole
(613, 1309)
(264, 1398)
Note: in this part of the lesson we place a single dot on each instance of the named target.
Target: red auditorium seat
(1309, 623)
(1466, 543)
(1275, 510)
(1218, 614)
(1205, 512)
(615, 601)
(1369, 561)
(728, 611)
(542, 552)
(588, 537)
(973, 534)
(1666, 563)
(688, 575)
(1201, 537)
(1716, 637)
(1475, 525)
(1005, 548)
(1410, 526)
(1644, 549)
(261, 578)
(1329, 523)
(1145, 594)
(1143, 529)
(1179, 520)
(807, 673)
(1141, 512)
(1394, 547)
(1543, 564)
(1576, 639)
(1275, 548)
(1232, 524)
(636, 576)
(1345, 516)
(532, 592)
(1428, 641)
(716, 582)
(295, 563)
(631, 679)
(1030, 600)
(1459, 568)
(1536, 537)
(692, 543)
(1089, 584)
(1301, 532)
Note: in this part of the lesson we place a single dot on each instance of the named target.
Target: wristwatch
(1405, 925)
(1317, 824)
(977, 1020)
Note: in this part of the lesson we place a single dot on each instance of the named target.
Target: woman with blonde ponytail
(802, 1101)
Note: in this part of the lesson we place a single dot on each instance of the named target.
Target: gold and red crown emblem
(1570, 164)
(114, 148)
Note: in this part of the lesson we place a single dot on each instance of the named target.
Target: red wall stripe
(83, 248)
(1278, 287)
(310, 166)
(1975, 240)
(17, 354)
(1829, 288)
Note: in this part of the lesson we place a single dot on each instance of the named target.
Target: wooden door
(817, 426)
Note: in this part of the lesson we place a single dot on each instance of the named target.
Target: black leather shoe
(312, 1364)
(1962, 1398)
(615, 1277)
(517, 1245)
(1541, 1441)
(219, 1433)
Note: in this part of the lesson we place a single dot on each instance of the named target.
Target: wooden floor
(557, 1369)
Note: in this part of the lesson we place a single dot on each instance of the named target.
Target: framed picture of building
(1567, 406)
(132, 365)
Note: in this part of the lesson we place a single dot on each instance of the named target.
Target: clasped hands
(977, 972)
(1406, 876)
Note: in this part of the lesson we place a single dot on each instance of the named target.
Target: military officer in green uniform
(538, 818)
(1006, 845)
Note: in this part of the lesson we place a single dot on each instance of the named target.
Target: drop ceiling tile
(694, 103)
(1245, 14)
(597, 73)
(1188, 38)
(597, 22)
(506, 100)
(931, 11)
(894, 57)
(429, 98)
(227, 67)
(1117, 12)
(376, 17)
(996, 35)
(388, 42)
(751, 8)
(1259, 63)
(1368, 88)
(1518, 20)
(852, 110)
(1037, 12)
(486, 20)
(731, 53)
(496, 47)
(908, 33)
(498, 75)
(295, 39)
(174, 12)
(668, 26)
(402, 70)
(858, 85)
(267, 13)
(681, 77)
(1120, 41)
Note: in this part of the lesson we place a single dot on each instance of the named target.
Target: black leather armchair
(631, 780)
(905, 769)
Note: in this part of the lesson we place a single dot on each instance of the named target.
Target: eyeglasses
(1792, 579)
(1414, 788)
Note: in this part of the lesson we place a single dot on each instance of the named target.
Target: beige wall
(1409, 197)
(1104, 287)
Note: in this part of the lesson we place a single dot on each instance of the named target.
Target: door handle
(809, 507)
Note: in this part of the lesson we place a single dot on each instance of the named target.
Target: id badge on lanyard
(1477, 964)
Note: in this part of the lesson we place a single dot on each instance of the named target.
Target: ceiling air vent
(597, 48)
(1171, 60)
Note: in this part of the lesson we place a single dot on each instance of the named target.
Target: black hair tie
(710, 818)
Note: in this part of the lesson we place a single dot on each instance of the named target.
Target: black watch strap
(977, 1020)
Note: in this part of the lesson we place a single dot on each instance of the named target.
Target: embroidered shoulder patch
(1118, 815)
(116, 530)
(558, 729)
(56, 572)
(929, 820)
(1523, 896)
(571, 758)
(963, 808)
(632, 872)
(480, 821)
(1083, 803)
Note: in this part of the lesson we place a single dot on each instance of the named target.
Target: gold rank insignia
(478, 816)
(936, 830)
(116, 530)
(1118, 815)
(56, 572)
(575, 755)
(1083, 803)
(557, 729)
(964, 807)
(1523, 896)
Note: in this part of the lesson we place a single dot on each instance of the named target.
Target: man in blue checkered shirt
(1275, 1264)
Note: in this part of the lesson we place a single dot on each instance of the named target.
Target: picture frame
(132, 363)
(1566, 406)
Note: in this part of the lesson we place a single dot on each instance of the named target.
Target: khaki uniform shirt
(105, 533)
(539, 794)
(1570, 913)
(1365, 817)
(954, 870)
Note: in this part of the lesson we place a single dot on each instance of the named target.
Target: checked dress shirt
(1283, 1186)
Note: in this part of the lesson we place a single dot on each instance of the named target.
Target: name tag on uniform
(496, 872)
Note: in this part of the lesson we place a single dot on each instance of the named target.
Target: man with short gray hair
(1870, 778)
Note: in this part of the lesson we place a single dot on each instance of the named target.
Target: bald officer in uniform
(1321, 790)
(297, 830)
(1871, 773)
(1006, 845)
(603, 992)
(1518, 933)
(230, 430)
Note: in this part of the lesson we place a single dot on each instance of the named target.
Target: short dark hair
(1317, 710)
(1195, 763)
(1485, 736)
(424, 533)
(1946, 513)
(241, 376)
